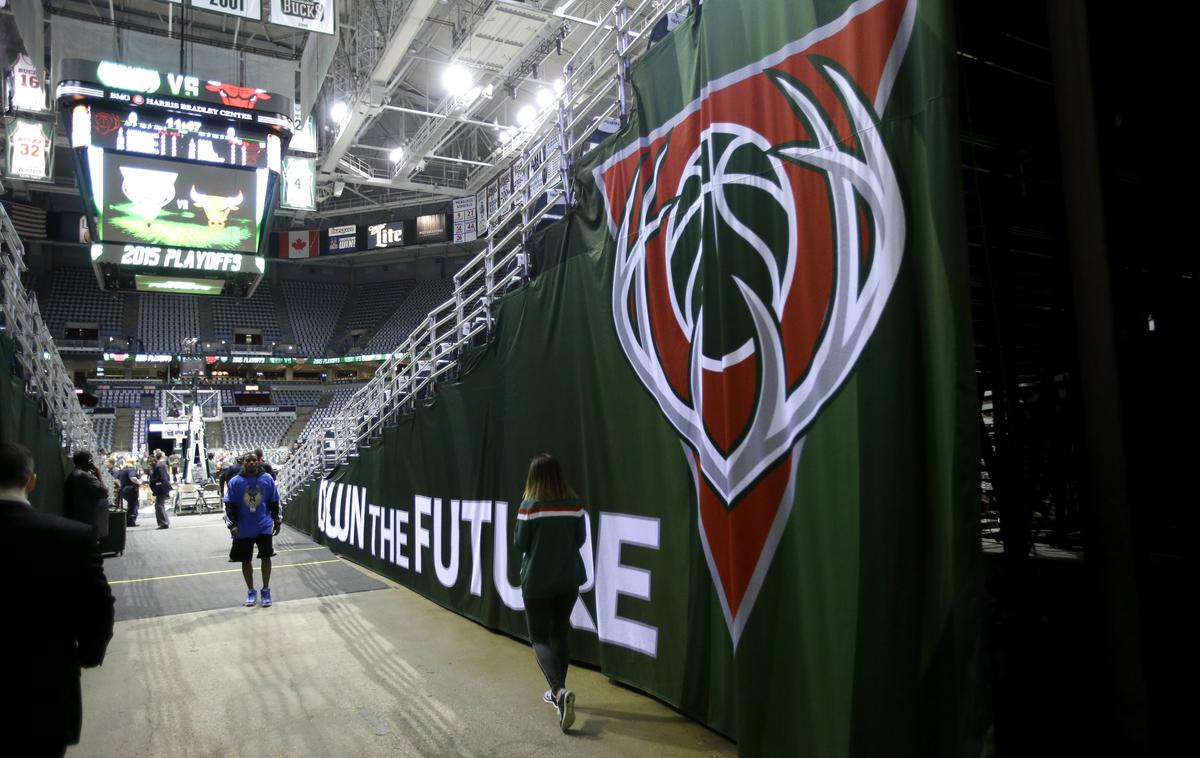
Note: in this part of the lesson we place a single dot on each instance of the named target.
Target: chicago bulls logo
(759, 233)
(238, 97)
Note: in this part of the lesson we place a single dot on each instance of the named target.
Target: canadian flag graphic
(302, 244)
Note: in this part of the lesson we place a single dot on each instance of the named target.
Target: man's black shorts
(242, 550)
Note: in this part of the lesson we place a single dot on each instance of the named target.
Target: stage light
(504, 137)
(525, 115)
(456, 79)
(544, 99)
(338, 111)
(396, 155)
(559, 86)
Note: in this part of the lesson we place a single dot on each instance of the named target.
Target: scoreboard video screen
(177, 175)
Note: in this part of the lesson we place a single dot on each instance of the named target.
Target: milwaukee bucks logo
(759, 233)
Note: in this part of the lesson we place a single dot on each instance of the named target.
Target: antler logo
(759, 233)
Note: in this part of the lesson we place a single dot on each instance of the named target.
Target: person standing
(550, 530)
(160, 486)
(130, 484)
(66, 624)
(85, 498)
(252, 512)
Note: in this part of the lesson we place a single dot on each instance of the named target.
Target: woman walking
(550, 530)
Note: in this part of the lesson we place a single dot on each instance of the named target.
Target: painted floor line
(220, 571)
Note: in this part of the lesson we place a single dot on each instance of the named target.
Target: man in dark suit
(63, 623)
(160, 485)
(85, 498)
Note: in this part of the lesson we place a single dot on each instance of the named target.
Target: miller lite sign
(390, 234)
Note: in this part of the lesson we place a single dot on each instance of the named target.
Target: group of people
(72, 621)
(131, 476)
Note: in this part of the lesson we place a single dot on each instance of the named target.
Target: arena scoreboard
(179, 176)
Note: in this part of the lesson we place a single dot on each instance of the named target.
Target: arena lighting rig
(179, 176)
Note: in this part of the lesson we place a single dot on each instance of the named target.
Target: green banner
(750, 348)
(21, 421)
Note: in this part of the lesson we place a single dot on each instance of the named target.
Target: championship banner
(464, 219)
(481, 213)
(299, 188)
(309, 15)
(30, 150)
(505, 190)
(305, 243)
(763, 389)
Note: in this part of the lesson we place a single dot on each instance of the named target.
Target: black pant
(160, 510)
(549, 620)
(131, 507)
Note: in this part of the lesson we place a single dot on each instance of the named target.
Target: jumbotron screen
(173, 169)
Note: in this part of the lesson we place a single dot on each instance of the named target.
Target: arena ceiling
(414, 100)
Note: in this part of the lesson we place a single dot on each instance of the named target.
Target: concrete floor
(376, 672)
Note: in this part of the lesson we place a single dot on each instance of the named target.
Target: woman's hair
(546, 480)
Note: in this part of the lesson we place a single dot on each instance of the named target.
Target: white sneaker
(566, 709)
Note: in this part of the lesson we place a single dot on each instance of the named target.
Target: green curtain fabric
(749, 345)
(21, 422)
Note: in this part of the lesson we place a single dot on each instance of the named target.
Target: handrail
(36, 355)
(431, 351)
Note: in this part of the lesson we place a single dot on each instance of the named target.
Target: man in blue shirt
(252, 512)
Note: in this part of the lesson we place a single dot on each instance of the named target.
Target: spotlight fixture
(525, 115)
(544, 99)
(559, 86)
(396, 155)
(456, 79)
(338, 111)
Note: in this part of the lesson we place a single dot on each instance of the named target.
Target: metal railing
(596, 88)
(35, 356)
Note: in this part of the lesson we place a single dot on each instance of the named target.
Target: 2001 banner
(750, 346)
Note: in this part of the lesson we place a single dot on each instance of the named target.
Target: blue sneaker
(251, 598)
(266, 597)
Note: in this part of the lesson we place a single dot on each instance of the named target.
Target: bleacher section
(280, 396)
(165, 321)
(121, 397)
(140, 417)
(247, 431)
(75, 297)
(104, 426)
(314, 307)
(373, 301)
(255, 312)
(426, 296)
(320, 416)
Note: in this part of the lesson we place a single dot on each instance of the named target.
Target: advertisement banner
(299, 188)
(309, 15)
(430, 227)
(251, 9)
(464, 219)
(342, 239)
(762, 387)
(30, 150)
(390, 234)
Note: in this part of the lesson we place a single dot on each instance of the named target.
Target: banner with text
(750, 347)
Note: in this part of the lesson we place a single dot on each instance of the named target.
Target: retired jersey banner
(749, 345)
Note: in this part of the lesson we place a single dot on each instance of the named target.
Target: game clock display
(154, 133)
(192, 205)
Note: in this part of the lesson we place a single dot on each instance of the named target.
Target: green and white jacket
(550, 533)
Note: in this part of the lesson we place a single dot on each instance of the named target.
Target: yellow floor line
(220, 571)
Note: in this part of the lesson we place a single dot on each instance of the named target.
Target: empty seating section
(426, 296)
(104, 426)
(75, 297)
(165, 321)
(372, 302)
(121, 397)
(140, 418)
(247, 431)
(256, 312)
(289, 396)
(320, 418)
(315, 308)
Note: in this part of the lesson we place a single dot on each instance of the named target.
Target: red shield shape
(770, 201)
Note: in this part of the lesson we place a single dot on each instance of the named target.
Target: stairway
(303, 414)
(204, 311)
(283, 314)
(123, 430)
(129, 319)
